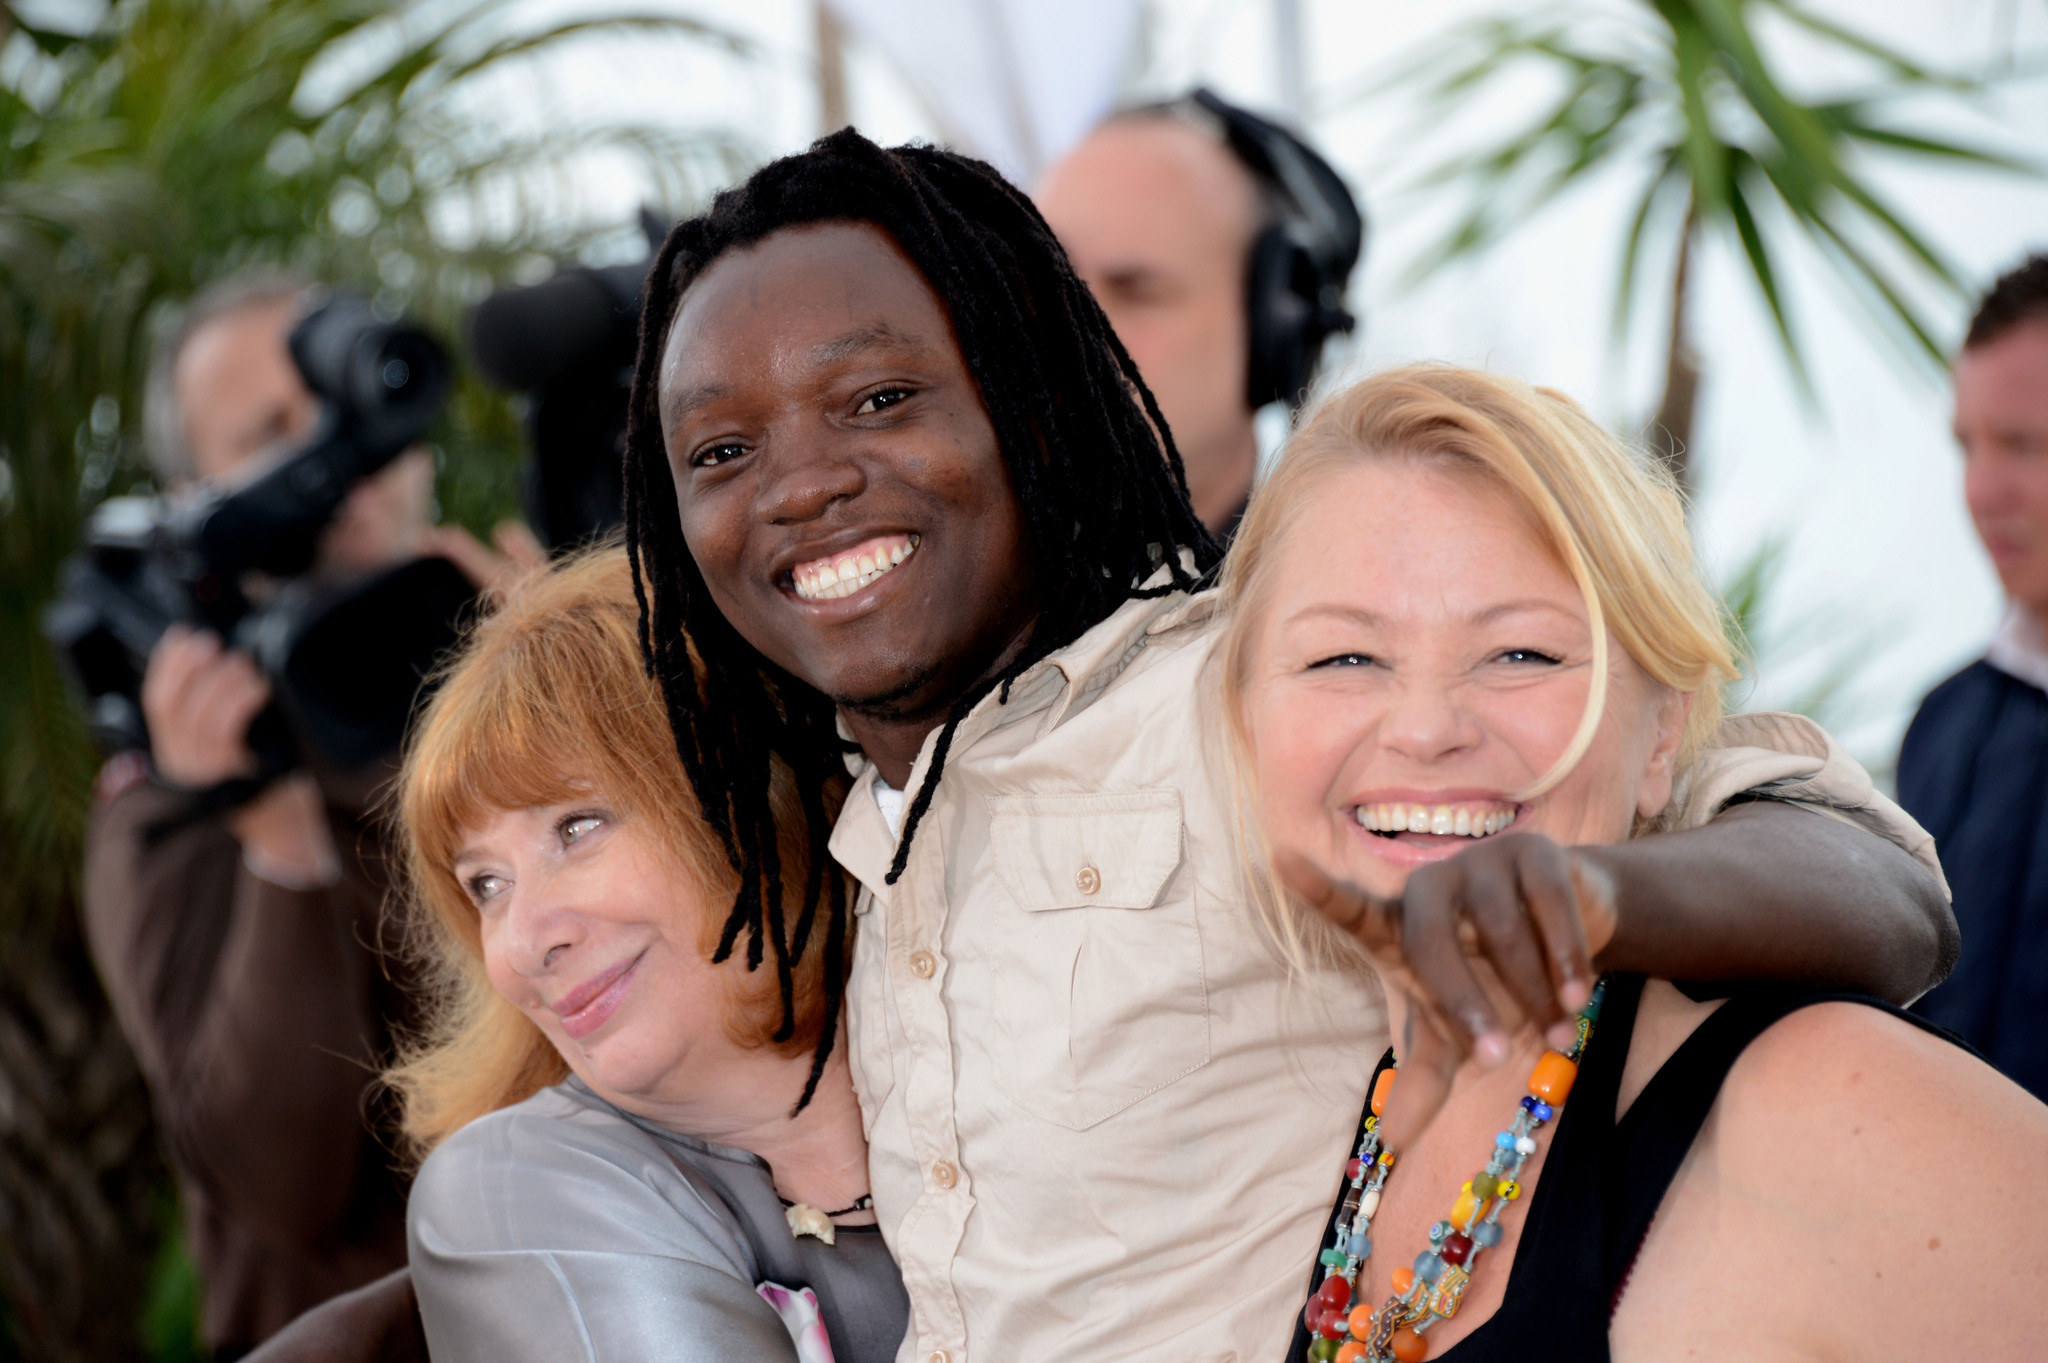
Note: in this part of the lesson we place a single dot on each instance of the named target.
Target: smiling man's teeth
(1458, 820)
(826, 579)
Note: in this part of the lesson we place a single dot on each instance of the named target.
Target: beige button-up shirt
(1105, 1120)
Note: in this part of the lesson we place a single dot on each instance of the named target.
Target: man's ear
(1660, 765)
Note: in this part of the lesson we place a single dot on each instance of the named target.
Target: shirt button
(924, 963)
(944, 1174)
(1088, 880)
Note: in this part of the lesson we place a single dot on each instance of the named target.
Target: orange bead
(1361, 1321)
(1381, 1087)
(1402, 1279)
(1409, 1347)
(1551, 1081)
(1353, 1352)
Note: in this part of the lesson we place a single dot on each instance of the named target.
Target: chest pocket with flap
(1101, 998)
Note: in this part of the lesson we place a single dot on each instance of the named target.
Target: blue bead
(1486, 1234)
(1528, 1105)
(1542, 1112)
(1505, 1140)
(1429, 1265)
(1358, 1247)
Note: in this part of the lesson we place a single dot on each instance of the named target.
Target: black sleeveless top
(1604, 1180)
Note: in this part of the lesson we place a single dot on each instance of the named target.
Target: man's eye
(876, 402)
(712, 455)
(1344, 660)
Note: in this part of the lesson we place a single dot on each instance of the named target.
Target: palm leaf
(1700, 101)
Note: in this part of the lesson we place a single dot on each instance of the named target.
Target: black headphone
(1300, 263)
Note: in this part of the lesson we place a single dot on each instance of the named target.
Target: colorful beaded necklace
(1434, 1287)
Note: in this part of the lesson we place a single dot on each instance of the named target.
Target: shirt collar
(1094, 660)
(2018, 649)
(1067, 679)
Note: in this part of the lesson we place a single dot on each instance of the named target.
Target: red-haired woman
(619, 1163)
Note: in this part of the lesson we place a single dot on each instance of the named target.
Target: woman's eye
(876, 402)
(712, 455)
(1527, 655)
(482, 887)
(1344, 660)
(577, 827)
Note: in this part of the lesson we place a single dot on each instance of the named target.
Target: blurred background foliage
(1722, 143)
(145, 151)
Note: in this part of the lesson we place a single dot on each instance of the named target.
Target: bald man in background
(1219, 245)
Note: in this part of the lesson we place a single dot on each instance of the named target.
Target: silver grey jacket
(563, 1229)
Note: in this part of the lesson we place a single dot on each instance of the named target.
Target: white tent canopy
(1016, 82)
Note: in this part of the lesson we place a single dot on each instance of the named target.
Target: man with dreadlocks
(886, 450)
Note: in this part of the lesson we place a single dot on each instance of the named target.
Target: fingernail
(1573, 994)
(1491, 1048)
(1561, 1035)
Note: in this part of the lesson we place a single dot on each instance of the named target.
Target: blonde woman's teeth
(826, 579)
(1456, 820)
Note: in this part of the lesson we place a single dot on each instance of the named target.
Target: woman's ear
(1661, 763)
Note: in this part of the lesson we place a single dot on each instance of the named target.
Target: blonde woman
(1457, 595)
(632, 1152)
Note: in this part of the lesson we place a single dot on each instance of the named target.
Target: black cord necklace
(864, 1203)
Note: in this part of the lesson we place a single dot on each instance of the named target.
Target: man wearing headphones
(1219, 244)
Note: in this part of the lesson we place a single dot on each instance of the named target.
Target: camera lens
(396, 374)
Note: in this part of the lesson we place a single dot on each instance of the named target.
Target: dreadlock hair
(1099, 481)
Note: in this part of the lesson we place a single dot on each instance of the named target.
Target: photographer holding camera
(243, 944)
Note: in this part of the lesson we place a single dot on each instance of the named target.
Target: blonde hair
(548, 699)
(1614, 520)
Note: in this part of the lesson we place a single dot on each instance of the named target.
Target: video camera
(346, 660)
(567, 345)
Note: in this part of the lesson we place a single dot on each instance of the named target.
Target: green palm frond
(1685, 88)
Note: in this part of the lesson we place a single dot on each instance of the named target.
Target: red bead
(1312, 1315)
(1334, 1294)
(1333, 1324)
(1457, 1247)
(1351, 1169)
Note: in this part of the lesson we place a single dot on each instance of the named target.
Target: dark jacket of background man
(260, 1015)
(1974, 768)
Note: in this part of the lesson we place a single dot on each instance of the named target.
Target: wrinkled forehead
(1151, 172)
(1415, 513)
(797, 301)
(1429, 541)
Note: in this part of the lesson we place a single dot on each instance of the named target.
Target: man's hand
(1518, 907)
(493, 571)
(199, 698)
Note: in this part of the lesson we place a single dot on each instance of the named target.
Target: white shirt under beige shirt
(1105, 1122)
